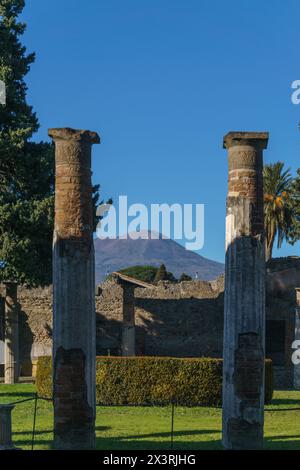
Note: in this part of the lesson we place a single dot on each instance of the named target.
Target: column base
(75, 441)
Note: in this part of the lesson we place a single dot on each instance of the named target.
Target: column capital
(66, 133)
(253, 139)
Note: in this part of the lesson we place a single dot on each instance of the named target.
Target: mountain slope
(112, 255)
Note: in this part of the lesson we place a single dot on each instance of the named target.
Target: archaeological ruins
(252, 314)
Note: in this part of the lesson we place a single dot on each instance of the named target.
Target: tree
(26, 168)
(171, 277)
(17, 120)
(161, 274)
(279, 207)
(185, 277)
(294, 230)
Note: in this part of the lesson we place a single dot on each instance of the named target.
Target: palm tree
(278, 205)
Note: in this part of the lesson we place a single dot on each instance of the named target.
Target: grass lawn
(149, 427)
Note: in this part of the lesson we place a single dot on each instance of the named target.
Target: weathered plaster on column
(244, 315)
(74, 348)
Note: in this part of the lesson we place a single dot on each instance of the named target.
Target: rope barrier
(146, 405)
(36, 398)
(22, 401)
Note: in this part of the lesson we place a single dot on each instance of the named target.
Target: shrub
(185, 277)
(161, 274)
(154, 380)
(43, 378)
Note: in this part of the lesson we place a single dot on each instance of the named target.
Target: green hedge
(43, 378)
(154, 380)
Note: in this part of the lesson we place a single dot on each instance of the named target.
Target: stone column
(74, 318)
(128, 327)
(297, 338)
(244, 313)
(11, 346)
(5, 427)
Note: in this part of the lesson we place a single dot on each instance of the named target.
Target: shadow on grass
(282, 443)
(47, 431)
(138, 442)
(17, 394)
(285, 401)
(123, 444)
(194, 432)
(130, 442)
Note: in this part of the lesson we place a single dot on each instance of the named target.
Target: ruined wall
(183, 319)
(172, 319)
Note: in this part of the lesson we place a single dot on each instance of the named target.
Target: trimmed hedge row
(154, 380)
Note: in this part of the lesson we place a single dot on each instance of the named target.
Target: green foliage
(43, 380)
(171, 277)
(26, 168)
(185, 277)
(26, 218)
(17, 120)
(279, 207)
(163, 275)
(148, 273)
(143, 273)
(153, 380)
(294, 229)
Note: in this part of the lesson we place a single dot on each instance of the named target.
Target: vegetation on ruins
(161, 274)
(185, 277)
(26, 167)
(148, 273)
(143, 273)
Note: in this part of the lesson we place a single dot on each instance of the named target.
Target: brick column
(11, 347)
(5, 427)
(244, 313)
(74, 319)
(128, 327)
(297, 338)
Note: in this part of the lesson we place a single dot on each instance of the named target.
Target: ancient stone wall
(183, 319)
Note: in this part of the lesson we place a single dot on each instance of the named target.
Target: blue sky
(162, 81)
